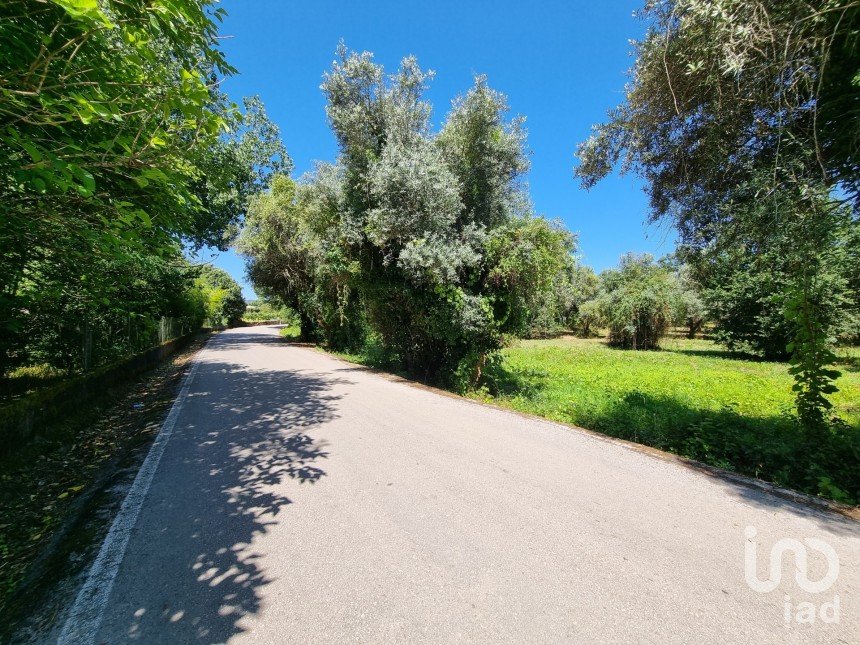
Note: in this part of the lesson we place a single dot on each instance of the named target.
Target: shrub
(589, 319)
(637, 302)
(559, 308)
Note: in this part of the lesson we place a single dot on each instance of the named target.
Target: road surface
(294, 498)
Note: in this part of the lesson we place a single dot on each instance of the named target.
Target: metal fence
(105, 345)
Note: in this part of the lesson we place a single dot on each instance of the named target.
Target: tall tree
(426, 240)
(223, 295)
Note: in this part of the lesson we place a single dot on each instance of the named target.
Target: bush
(264, 311)
(559, 308)
(637, 302)
(589, 319)
(690, 309)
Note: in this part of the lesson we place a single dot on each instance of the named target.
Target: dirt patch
(58, 493)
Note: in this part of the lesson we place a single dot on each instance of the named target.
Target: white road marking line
(87, 613)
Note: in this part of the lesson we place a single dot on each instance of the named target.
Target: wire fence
(101, 345)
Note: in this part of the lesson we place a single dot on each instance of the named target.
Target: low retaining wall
(22, 420)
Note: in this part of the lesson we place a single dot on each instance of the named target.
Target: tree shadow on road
(192, 572)
(249, 340)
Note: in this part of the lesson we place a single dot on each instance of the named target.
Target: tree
(222, 296)
(691, 310)
(561, 307)
(737, 105)
(270, 310)
(451, 258)
(75, 329)
(291, 239)
(589, 319)
(116, 150)
(723, 88)
(426, 241)
(637, 301)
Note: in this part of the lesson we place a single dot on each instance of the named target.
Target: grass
(290, 332)
(26, 380)
(578, 380)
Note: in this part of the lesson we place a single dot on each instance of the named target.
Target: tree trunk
(306, 328)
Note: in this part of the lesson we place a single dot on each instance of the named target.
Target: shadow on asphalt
(826, 520)
(198, 575)
(245, 340)
(252, 438)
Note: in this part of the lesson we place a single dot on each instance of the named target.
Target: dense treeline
(423, 242)
(117, 153)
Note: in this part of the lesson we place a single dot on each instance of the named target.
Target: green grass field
(580, 380)
(691, 398)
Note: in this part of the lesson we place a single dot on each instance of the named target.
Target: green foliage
(809, 361)
(637, 302)
(560, 307)
(222, 296)
(745, 291)
(692, 399)
(423, 243)
(722, 89)
(290, 332)
(75, 328)
(752, 270)
(291, 237)
(116, 150)
(589, 319)
(848, 329)
(269, 310)
(815, 306)
(690, 308)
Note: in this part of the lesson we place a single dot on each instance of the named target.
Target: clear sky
(562, 64)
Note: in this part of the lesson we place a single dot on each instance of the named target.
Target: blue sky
(562, 64)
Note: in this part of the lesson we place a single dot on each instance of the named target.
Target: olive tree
(425, 240)
(637, 301)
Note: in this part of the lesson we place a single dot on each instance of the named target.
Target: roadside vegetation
(213, 299)
(425, 240)
(51, 488)
(418, 248)
(118, 156)
(262, 311)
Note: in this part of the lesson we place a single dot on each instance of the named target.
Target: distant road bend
(292, 497)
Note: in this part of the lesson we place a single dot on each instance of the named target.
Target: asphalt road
(294, 498)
